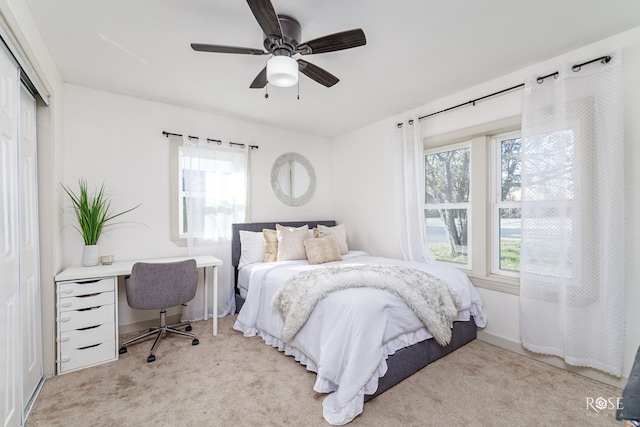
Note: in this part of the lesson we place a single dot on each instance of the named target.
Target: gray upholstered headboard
(258, 226)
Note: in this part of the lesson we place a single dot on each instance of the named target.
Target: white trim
(517, 348)
(14, 46)
(481, 199)
(490, 128)
(507, 285)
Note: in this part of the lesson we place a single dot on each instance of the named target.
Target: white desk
(123, 268)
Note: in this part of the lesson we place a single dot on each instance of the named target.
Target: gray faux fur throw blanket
(430, 298)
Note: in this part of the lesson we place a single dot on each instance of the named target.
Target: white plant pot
(90, 255)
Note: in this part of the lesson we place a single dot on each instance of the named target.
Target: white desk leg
(215, 300)
(206, 292)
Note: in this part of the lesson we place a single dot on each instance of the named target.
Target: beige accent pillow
(270, 238)
(291, 242)
(338, 232)
(322, 249)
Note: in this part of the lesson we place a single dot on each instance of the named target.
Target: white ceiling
(417, 51)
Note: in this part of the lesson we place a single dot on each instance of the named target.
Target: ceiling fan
(282, 40)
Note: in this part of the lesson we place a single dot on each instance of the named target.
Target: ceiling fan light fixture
(282, 71)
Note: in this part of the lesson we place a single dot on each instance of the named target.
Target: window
(506, 212)
(209, 190)
(448, 204)
(473, 201)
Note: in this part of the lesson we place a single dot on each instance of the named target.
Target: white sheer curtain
(409, 192)
(572, 285)
(213, 196)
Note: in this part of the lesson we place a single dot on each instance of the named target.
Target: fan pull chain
(298, 89)
(266, 91)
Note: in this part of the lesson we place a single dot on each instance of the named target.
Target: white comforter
(350, 334)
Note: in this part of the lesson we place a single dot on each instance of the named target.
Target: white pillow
(338, 232)
(291, 242)
(252, 248)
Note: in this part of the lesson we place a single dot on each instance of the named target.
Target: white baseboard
(516, 347)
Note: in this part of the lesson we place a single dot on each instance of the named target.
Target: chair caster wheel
(188, 328)
(122, 350)
(195, 341)
(151, 358)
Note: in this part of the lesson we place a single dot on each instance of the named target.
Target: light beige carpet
(230, 380)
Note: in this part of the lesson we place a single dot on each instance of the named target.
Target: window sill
(179, 242)
(183, 242)
(507, 285)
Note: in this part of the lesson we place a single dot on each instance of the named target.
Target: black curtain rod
(575, 68)
(217, 141)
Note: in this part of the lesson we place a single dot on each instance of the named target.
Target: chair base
(159, 332)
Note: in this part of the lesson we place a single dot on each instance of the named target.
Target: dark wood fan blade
(333, 42)
(226, 49)
(261, 80)
(266, 16)
(316, 73)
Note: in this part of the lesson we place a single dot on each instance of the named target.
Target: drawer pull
(88, 327)
(65, 359)
(65, 318)
(67, 291)
(89, 346)
(64, 338)
(65, 304)
(88, 295)
(86, 282)
(90, 308)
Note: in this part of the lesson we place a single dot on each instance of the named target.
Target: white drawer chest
(87, 313)
(87, 310)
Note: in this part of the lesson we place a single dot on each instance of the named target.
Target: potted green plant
(93, 215)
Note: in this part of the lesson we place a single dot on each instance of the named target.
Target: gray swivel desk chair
(157, 286)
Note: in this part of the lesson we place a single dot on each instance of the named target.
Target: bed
(359, 340)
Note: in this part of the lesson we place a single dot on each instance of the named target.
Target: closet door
(29, 252)
(10, 373)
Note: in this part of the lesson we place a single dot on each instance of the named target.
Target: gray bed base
(405, 362)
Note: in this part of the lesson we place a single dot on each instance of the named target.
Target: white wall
(117, 140)
(362, 188)
(363, 178)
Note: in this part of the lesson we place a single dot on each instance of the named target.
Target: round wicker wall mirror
(293, 179)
